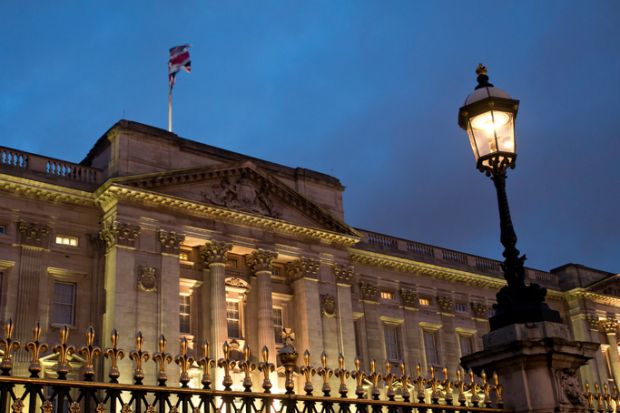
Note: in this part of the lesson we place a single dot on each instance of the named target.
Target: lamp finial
(481, 69)
(483, 79)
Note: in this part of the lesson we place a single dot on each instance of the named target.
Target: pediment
(241, 187)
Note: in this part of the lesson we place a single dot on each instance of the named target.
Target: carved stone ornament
(303, 267)
(592, 320)
(147, 278)
(445, 303)
(608, 326)
(369, 292)
(260, 260)
(33, 234)
(571, 388)
(409, 297)
(242, 193)
(344, 273)
(170, 241)
(480, 310)
(119, 233)
(237, 282)
(328, 305)
(214, 252)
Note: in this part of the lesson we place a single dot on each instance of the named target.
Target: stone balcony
(431, 254)
(46, 169)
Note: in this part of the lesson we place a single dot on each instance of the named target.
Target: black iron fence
(371, 391)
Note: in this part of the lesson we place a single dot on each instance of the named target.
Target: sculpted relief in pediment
(242, 194)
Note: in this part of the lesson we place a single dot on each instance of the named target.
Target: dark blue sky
(367, 91)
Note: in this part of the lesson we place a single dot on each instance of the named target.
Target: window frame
(397, 336)
(67, 237)
(239, 311)
(278, 337)
(426, 332)
(54, 303)
(187, 314)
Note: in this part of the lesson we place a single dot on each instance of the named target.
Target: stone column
(260, 262)
(34, 241)
(214, 256)
(344, 278)
(303, 277)
(449, 344)
(369, 293)
(409, 299)
(610, 327)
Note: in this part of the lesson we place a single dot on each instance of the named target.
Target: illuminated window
(184, 313)
(278, 325)
(233, 319)
(425, 302)
(391, 334)
(430, 348)
(466, 342)
(184, 256)
(460, 307)
(63, 305)
(67, 240)
(387, 295)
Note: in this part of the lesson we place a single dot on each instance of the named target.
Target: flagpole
(170, 109)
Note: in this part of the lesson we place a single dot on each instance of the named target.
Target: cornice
(115, 192)
(594, 297)
(32, 189)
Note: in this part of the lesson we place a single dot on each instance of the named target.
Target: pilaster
(344, 275)
(369, 294)
(411, 332)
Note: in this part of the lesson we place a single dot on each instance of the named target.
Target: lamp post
(489, 116)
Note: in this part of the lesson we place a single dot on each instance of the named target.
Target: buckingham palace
(156, 233)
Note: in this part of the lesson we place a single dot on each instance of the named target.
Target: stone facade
(155, 233)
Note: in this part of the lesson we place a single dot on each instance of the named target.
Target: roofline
(189, 144)
(579, 266)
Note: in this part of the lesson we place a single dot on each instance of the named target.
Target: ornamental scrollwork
(368, 291)
(328, 305)
(445, 303)
(119, 233)
(214, 252)
(304, 267)
(609, 325)
(33, 234)
(572, 389)
(480, 310)
(242, 194)
(409, 297)
(170, 241)
(344, 273)
(261, 260)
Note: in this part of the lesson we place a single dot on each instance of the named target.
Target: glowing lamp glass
(491, 132)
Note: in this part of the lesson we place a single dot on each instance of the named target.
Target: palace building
(155, 233)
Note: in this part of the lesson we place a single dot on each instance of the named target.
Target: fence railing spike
(184, 361)
(307, 371)
(227, 364)
(8, 346)
(161, 359)
(36, 350)
(342, 374)
(90, 352)
(63, 351)
(247, 367)
(139, 356)
(206, 363)
(266, 367)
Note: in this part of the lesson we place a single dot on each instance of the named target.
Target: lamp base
(522, 305)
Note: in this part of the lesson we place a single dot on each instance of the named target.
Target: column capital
(369, 292)
(446, 304)
(408, 296)
(214, 252)
(170, 241)
(608, 326)
(260, 260)
(119, 233)
(303, 267)
(480, 310)
(343, 273)
(33, 234)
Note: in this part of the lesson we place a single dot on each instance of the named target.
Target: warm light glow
(387, 295)
(67, 240)
(490, 121)
(491, 132)
(425, 302)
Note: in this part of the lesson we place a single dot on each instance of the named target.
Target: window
(233, 319)
(68, 240)
(430, 348)
(387, 295)
(184, 313)
(2, 230)
(183, 256)
(63, 306)
(278, 325)
(391, 334)
(460, 307)
(466, 343)
(425, 302)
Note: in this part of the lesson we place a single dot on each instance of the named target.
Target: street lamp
(489, 116)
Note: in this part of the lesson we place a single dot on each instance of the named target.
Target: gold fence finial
(308, 372)
(359, 375)
(138, 356)
(474, 389)
(420, 384)
(325, 373)
(447, 387)
(266, 367)
(389, 378)
(90, 352)
(405, 381)
(434, 383)
(486, 389)
(246, 366)
(114, 354)
(499, 391)
(374, 377)
(64, 351)
(184, 362)
(8, 346)
(342, 374)
(460, 384)
(227, 364)
(161, 359)
(206, 363)
(36, 349)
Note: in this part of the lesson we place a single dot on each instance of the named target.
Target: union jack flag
(179, 59)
